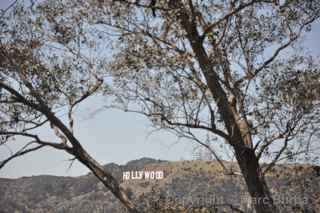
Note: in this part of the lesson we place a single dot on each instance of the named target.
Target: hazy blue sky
(111, 136)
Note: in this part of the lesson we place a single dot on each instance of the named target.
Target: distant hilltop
(185, 184)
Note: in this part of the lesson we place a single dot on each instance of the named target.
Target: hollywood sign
(146, 175)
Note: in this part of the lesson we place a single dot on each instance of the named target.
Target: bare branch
(8, 8)
(21, 152)
(233, 12)
(193, 137)
(18, 96)
(82, 98)
(37, 140)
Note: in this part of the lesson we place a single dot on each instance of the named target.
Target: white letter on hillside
(126, 175)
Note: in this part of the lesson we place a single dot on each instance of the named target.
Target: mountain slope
(186, 185)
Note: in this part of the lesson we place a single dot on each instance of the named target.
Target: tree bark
(246, 158)
(105, 177)
(77, 150)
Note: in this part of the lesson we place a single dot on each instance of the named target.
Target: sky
(110, 136)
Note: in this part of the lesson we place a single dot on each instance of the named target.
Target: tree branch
(235, 11)
(21, 152)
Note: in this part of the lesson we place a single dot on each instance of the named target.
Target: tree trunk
(246, 158)
(77, 150)
(257, 187)
(104, 176)
(107, 179)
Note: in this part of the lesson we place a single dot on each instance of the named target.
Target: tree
(220, 67)
(43, 74)
(203, 69)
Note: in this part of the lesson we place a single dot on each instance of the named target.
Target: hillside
(192, 185)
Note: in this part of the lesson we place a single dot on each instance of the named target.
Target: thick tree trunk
(104, 176)
(107, 179)
(257, 187)
(77, 150)
(247, 160)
